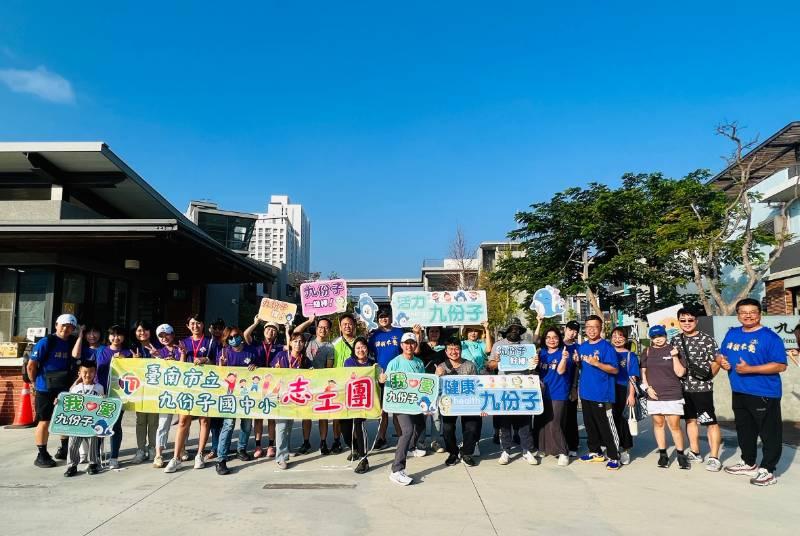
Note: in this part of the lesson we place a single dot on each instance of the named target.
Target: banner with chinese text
(515, 357)
(81, 415)
(164, 386)
(410, 393)
(514, 394)
(446, 308)
(323, 297)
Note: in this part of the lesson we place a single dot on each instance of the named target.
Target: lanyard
(199, 345)
(267, 350)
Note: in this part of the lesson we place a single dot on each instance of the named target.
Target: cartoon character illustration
(461, 296)
(427, 407)
(230, 380)
(341, 303)
(331, 387)
(243, 387)
(102, 429)
(516, 382)
(445, 403)
(447, 297)
(254, 387)
(473, 296)
(402, 321)
(435, 297)
(672, 325)
(547, 302)
(366, 310)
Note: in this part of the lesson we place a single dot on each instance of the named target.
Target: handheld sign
(547, 302)
(668, 318)
(445, 308)
(277, 311)
(322, 298)
(366, 309)
(81, 415)
(493, 395)
(515, 357)
(410, 393)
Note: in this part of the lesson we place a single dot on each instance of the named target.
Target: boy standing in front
(86, 386)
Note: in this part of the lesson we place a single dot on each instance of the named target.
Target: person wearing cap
(598, 362)
(571, 331)
(172, 351)
(49, 367)
(267, 350)
(511, 334)
(343, 349)
(411, 425)
(662, 369)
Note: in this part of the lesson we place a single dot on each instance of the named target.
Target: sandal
(270, 452)
(258, 453)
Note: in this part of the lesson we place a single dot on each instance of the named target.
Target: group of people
(671, 380)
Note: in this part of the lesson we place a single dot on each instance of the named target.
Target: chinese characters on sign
(410, 393)
(276, 311)
(515, 357)
(447, 308)
(492, 395)
(82, 415)
(324, 297)
(215, 391)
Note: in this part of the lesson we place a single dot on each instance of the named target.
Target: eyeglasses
(687, 321)
(749, 313)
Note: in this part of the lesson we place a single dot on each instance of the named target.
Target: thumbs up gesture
(742, 367)
(723, 362)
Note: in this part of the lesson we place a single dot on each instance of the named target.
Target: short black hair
(349, 315)
(197, 317)
(326, 319)
(88, 363)
(594, 317)
(218, 324)
(748, 301)
(686, 311)
(453, 341)
(116, 329)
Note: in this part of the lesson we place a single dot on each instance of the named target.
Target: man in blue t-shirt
(598, 362)
(384, 345)
(49, 367)
(754, 357)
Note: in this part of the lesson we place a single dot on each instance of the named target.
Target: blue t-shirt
(385, 345)
(596, 385)
(474, 351)
(755, 348)
(55, 356)
(401, 364)
(103, 359)
(558, 385)
(243, 358)
(628, 366)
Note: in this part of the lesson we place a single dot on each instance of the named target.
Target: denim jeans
(283, 432)
(116, 439)
(226, 435)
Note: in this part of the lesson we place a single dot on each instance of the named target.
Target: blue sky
(395, 124)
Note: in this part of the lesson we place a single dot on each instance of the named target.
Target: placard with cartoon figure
(547, 302)
(441, 308)
(322, 298)
(668, 318)
(277, 311)
(515, 357)
(410, 393)
(83, 415)
(514, 394)
(367, 309)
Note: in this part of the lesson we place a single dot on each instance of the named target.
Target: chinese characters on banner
(161, 386)
(493, 395)
(82, 415)
(276, 311)
(515, 357)
(410, 393)
(324, 297)
(447, 308)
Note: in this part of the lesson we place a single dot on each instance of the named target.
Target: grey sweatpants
(74, 448)
(412, 426)
(146, 425)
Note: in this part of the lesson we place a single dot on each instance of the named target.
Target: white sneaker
(113, 463)
(437, 447)
(504, 458)
(140, 456)
(563, 460)
(624, 458)
(692, 457)
(199, 463)
(530, 458)
(401, 478)
(173, 465)
(573, 454)
(417, 453)
(477, 451)
(83, 459)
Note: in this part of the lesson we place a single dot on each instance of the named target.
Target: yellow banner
(166, 386)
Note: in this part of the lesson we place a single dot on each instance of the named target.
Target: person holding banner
(293, 358)
(411, 425)
(342, 350)
(625, 391)
(235, 353)
(512, 334)
(143, 346)
(353, 430)
(216, 331)
(116, 348)
(556, 373)
(87, 385)
(270, 347)
(170, 350)
(470, 424)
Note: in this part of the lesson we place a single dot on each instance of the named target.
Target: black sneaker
(353, 457)
(305, 448)
(93, 469)
(323, 448)
(516, 438)
(380, 444)
(336, 448)
(362, 467)
(222, 468)
(496, 438)
(451, 460)
(44, 460)
(663, 460)
(71, 471)
(683, 461)
(61, 453)
(469, 460)
(243, 455)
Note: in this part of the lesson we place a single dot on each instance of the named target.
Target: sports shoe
(380, 444)
(563, 460)
(477, 451)
(323, 448)
(613, 465)
(305, 448)
(282, 464)
(593, 457)
(222, 468)
(199, 463)
(683, 461)
(336, 447)
(625, 458)
(210, 456)
(270, 452)
(71, 471)
(44, 460)
(243, 455)
(158, 462)
(573, 454)
(93, 469)
(173, 465)
(663, 460)
(692, 457)
(362, 467)
(401, 478)
(437, 447)
(468, 461)
(140, 456)
(113, 463)
(504, 458)
(713, 465)
(530, 458)
(742, 468)
(83, 459)
(258, 453)
(764, 478)
(418, 453)
(451, 460)
(61, 453)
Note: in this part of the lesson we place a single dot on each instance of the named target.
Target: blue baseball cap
(657, 331)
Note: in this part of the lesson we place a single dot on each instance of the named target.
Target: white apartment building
(282, 238)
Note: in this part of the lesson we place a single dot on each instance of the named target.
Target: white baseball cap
(164, 328)
(408, 337)
(67, 319)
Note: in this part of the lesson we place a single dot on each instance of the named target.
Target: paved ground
(487, 499)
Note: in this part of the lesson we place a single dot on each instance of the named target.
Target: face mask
(236, 340)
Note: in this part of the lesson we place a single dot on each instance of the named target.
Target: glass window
(34, 301)
(73, 294)
(8, 293)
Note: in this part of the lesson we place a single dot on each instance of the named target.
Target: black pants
(522, 423)
(571, 426)
(598, 418)
(625, 438)
(549, 428)
(355, 436)
(758, 416)
(470, 432)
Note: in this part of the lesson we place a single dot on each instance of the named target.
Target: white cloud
(40, 82)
